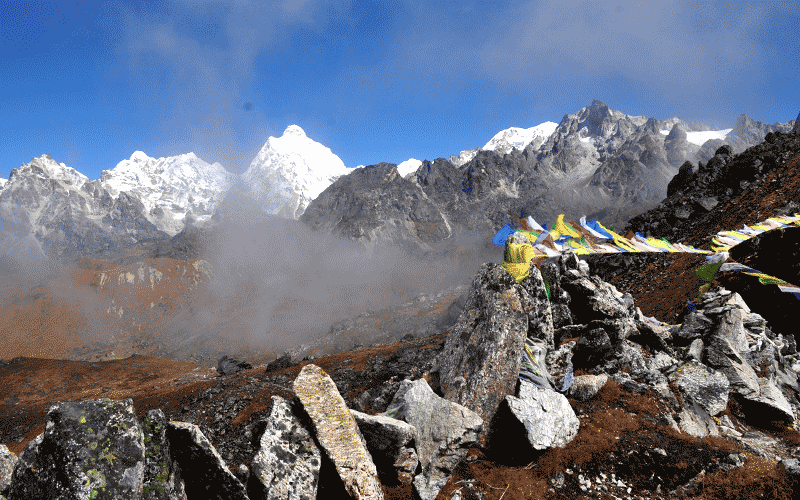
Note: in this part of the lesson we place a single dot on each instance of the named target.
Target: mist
(276, 283)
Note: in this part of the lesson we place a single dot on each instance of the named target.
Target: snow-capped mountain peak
(174, 190)
(290, 171)
(517, 138)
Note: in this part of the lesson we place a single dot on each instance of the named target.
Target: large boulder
(543, 416)
(445, 431)
(721, 355)
(480, 361)
(287, 461)
(337, 432)
(210, 476)
(88, 449)
(391, 443)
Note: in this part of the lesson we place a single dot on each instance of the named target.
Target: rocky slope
(727, 192)
(67, 214)
(658, 414)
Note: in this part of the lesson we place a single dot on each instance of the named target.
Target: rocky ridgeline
(581, 337)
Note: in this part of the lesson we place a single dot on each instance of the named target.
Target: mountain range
(598, 162)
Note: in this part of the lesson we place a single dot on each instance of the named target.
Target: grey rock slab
(7, 463)
(703, 386)
(445, 432)
(480, 361)
(210, 477)
(730, 326)
(694, 420)
(391, 442)
(287, 461)
(337, 432)
(89, 449)
(721, 355)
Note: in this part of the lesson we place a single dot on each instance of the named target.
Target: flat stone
(337, 432)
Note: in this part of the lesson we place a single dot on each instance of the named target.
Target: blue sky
(91, 82)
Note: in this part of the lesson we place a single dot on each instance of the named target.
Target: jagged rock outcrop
(480, 361)
(287, 461)
(337, 432)
(376, 202)
(445, 432)
(228, 365)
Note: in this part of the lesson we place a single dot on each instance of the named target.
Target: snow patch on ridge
(700, 138)
(517, 138)
(408, 166)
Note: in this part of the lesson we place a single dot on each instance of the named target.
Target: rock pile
(312, 444)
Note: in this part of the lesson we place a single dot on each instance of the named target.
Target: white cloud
(665, 44)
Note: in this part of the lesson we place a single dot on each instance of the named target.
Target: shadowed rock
(391, 443)
(208, 475)
(162, 476)
(228, 365)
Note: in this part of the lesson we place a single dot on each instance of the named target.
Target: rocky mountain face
(727, 191)
(290, 171)
(598, 162)
(69, 215)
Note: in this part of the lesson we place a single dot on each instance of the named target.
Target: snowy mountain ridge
(174, 190)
